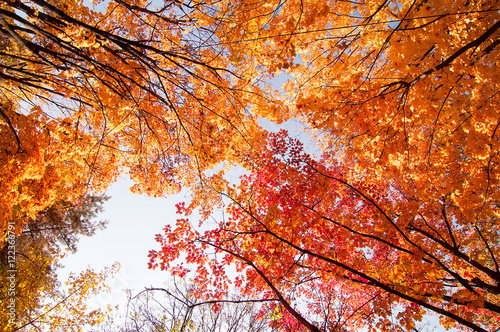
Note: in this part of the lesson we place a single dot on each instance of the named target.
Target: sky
(133, 222)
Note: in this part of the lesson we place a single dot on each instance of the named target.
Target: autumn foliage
(29, 276)
(392, 216)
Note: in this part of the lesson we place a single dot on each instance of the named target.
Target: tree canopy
(33, 297)
(396, 217)
(173, 308)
